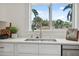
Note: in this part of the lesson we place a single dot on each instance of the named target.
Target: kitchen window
(40, 17)
(52, 16)
(62, 16)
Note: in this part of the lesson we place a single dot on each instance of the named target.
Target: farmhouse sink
(40, 39)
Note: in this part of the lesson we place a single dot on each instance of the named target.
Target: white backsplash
(48, 34)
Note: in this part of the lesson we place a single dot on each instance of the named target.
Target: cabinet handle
(1, 47)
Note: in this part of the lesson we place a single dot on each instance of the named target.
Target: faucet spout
(40, 32)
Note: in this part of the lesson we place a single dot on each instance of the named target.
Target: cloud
(43, 14)
(58, 15)
(61, 8)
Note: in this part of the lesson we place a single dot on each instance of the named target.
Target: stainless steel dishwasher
(70, 50)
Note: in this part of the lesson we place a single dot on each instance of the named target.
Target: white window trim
(74, 16)
(50, 17)
(30, 13)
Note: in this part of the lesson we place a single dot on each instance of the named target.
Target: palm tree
(37, 21)
(45, 23)
(35, 12)
(34, 22)
(69, 15)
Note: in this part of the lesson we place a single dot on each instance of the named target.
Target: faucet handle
(31, 35)
(37, 36)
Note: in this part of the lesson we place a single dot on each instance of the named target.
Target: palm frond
(69, 6)
(69, 16)
(35, 12)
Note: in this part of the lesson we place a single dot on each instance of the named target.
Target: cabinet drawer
(5, 47)
(49, 49)
(24, 54)
(49, 55)
(6, 54)
(27, 48)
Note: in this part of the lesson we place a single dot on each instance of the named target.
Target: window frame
(74, 15)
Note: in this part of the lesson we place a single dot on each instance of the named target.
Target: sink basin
(48, 39)
(40, 39)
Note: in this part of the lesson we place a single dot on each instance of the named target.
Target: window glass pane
(40, 14)
(61, 15)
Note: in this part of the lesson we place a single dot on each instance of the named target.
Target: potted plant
(13, 31)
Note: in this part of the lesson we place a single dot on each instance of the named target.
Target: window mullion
(50, 16)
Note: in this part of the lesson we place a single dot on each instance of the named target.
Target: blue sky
(57, 11)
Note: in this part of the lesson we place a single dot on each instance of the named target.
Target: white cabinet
(26, 49)
(29, 49)
(49, 50)
(6, 49)
(37, 49)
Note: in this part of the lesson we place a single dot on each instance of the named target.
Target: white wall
(55, 33)
(78, 16)
(18, 14)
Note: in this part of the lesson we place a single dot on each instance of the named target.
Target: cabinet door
(49, 50)
(6, 49)
(26, 49)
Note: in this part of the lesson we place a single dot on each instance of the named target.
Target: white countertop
(21, 40)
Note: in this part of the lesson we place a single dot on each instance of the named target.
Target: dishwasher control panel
(70, 46)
